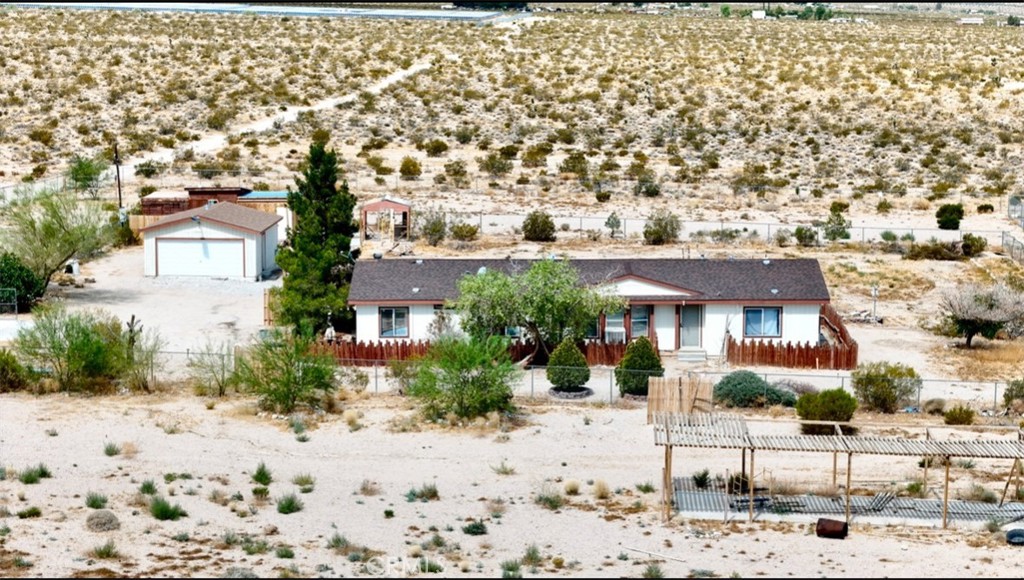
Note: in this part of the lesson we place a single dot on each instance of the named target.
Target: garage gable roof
(225, 214)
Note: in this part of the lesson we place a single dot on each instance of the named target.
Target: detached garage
(218, 240)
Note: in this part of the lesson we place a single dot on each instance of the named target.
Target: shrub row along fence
(842, 355)
(368, 353)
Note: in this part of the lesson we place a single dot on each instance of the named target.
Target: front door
(689, 326)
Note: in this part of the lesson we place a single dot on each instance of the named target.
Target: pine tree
(316, 261)
(640, 362)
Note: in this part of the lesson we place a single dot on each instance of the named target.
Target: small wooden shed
(387, 218)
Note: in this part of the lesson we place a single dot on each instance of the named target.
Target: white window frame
(761, 332)
(381, 317)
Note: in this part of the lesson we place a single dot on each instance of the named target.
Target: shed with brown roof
(218, 240)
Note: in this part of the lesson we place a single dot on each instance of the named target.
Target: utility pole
(117, 174)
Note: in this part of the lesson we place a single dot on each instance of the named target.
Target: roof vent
(419, 260)
(481, 271)
(415, 290)
(766, 261)
(377, 255)
(210, 203)
(775, 290)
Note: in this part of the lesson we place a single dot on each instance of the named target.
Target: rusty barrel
(834, 529)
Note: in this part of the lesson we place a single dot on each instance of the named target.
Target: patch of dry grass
(986, 360)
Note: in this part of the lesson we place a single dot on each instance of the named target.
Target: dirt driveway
(186, 311)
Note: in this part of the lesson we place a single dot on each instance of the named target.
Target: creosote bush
(539, 227)
(662, 227)
(883, 386)
(959, 415)
(828, 405)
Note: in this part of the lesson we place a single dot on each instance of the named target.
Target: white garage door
(218, 258)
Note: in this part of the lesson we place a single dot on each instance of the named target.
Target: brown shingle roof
(384, 281)
(225, 213)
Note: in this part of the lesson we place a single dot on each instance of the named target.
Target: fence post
(995, 398)
(611, 385)
(376, 387)
(842, 382)
(531, 382)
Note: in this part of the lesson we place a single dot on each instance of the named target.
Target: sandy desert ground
(735, 120)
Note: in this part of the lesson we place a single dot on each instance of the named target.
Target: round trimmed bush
(746, 389)
(828, 405)
(640, 362)
(567, 367)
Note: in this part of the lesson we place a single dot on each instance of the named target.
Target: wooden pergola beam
(945, 497)
(849, 469)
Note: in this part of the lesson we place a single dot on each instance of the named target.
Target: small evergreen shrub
(13, 376)
(986, 208)
(973, 245)
(289, 504)
(806, 236)
(567, 368)
(828, 405)
(433, 227)
(163, 510)
(949, 216)
(1014, 391)
(702, 479)
(883, 386)
(262, 474)
(96, 501)
(662, 227)
(640, 362)
(959, 415)
(745, 389)
(538, 227)
(476, 528)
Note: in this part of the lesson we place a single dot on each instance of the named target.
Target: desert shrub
(746, 389)
(289, 504)
(602, 195)
(476, 528)
(539, 227)
(494, 164)
(435, 148)
(102, 521)
(647, 188)
(13, 376)
(640, 362)
(934, 406)
(949, 215)
(883, 386)
(148, 168)
(465, 377)
(702, 479)
(550, 499)
(426, 492)
(27, 285)
(662, 227)
(464, 232)
(262, 475)
(986, 208)
(32, 475)
(972, 245)
(806, 236)
(935, 250)
(285, 372)
(567, 368)
(163, 510)
(836, 227)
(410, 168)
(980, 493)
(884, 206)
(1014, 391)
(219, 118)
(838, 206)
(828, 405)
(433, 227)
(959, 415)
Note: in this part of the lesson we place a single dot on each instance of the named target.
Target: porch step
(692, 355)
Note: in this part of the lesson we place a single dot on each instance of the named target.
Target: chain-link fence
(376, 376)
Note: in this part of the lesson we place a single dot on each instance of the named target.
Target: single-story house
(682, 304)
(168, 202)
(220, 240)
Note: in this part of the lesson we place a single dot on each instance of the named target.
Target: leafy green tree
(85, 172)
(883, 386)
(465, 377)
(547, 301)
(27, 286)
(316, 259)
(639, 363)
(613, 223)
(973, 309)
(285, 371)
(87, 351)
(49, 228)
(567, 369)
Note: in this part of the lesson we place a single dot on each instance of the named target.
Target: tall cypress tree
(316, 261)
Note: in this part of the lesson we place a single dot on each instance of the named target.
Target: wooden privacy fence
(689, 394)
(839, 356)
(370, 353)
